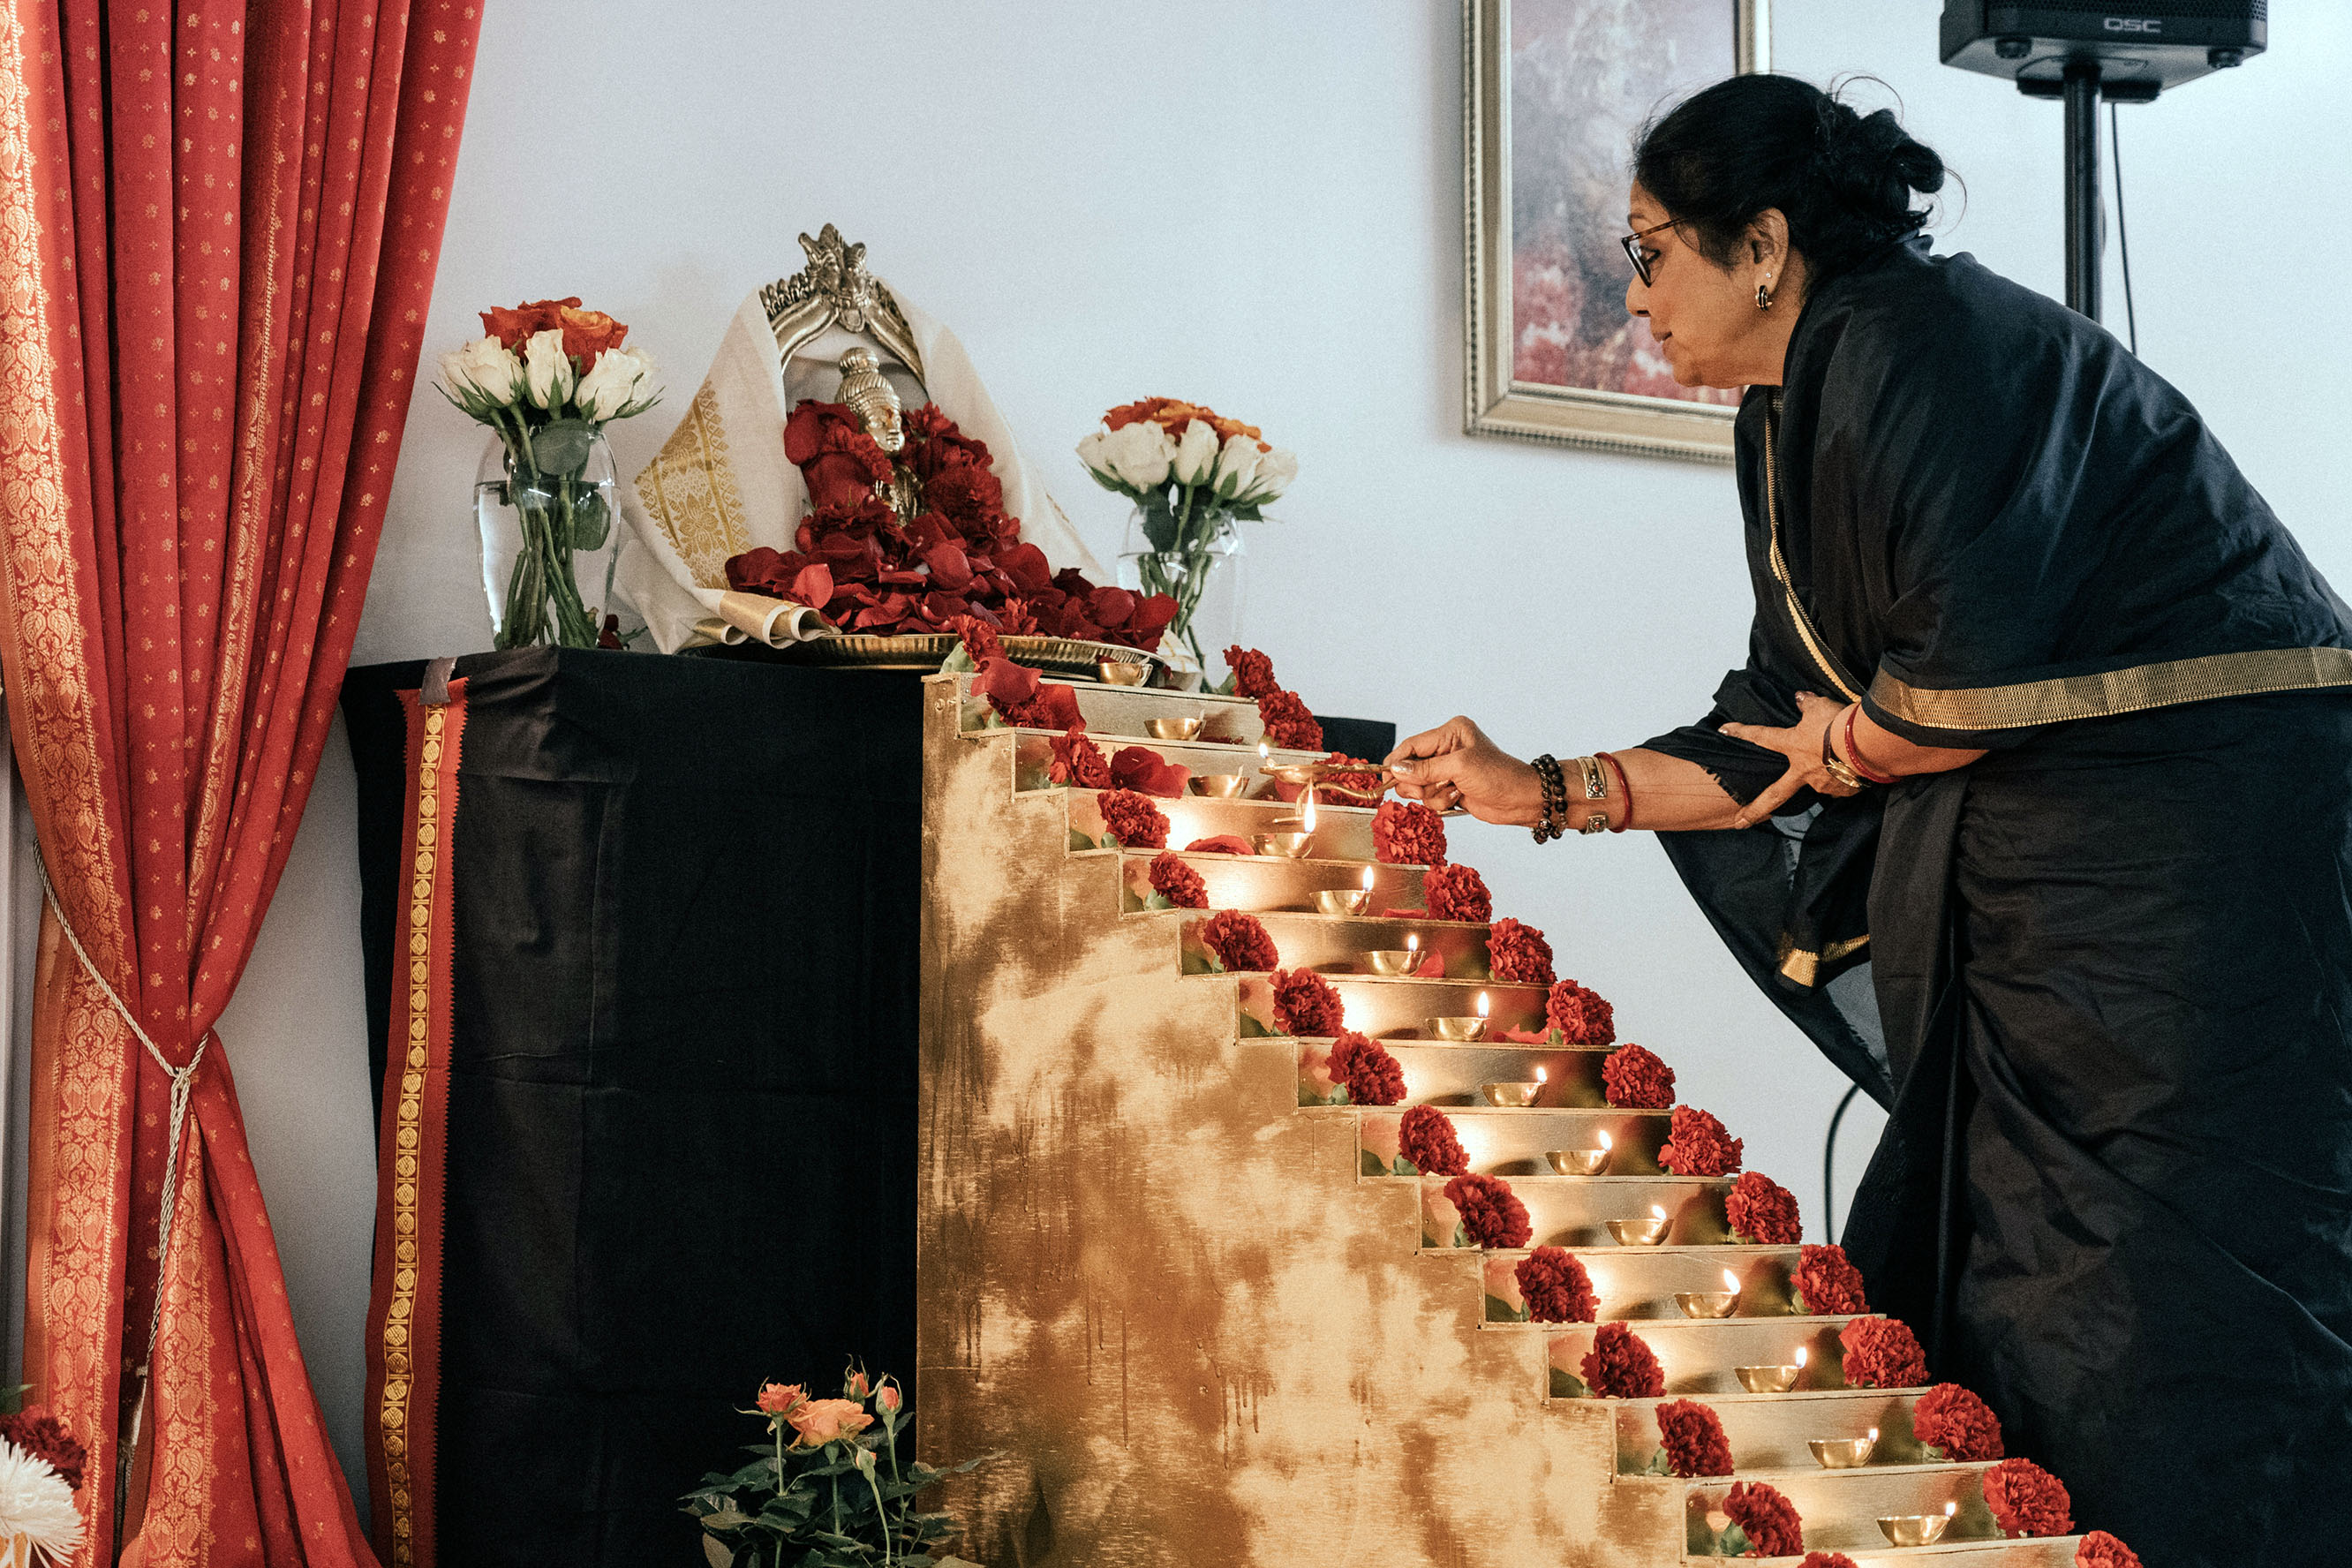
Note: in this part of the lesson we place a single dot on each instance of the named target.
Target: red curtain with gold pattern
(218, 226)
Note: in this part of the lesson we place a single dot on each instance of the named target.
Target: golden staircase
(1198, 1318)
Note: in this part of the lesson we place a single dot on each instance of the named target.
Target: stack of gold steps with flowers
(1279, 1203)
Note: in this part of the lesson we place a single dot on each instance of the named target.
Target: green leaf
(1501, 1311)
(1732, 1542)
(1371, 1165)
(958, 661)
(1460, 1235)
(1339, 1095)
(1081, 840)
(1159, 521)
(1158, 902)
(592, 520)
(564, 446)
(1225, 688)
(1659, 1465)
(1566, 1384)
(717, 1553)
(1251, 1029)
(1405, 1167)
(1931, 1454)
(1108, 842)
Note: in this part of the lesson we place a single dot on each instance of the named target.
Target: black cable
(2123, 236)
(1829, 1165)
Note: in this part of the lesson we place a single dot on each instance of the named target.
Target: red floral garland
(1556, 1287)
(1364, 1067)
(1761, 1211)
(1633, 1078)
(1620, 1366)
(1252, 672)
(1692, 1436)
(1134, 821)
(962, 557)
(1768, 1519)
(1826, 1284)
(2027, 1499)
(1955, 1423)
(1425, 1138)
(1491, 1213)
(1177, 883)
(1305, 1003)
(1288, 722)
(1582, 1016)
(1240, 942)
(1697, 1143)
(1457, 893)
(1077, 761)
(1517, 954)
(2100, 1550)
(1882, 1353)
(1407, 833)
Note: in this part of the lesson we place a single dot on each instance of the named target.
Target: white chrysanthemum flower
(36, 1502)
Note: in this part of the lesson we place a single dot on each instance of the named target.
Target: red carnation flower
(1620, 1366)
(2100, 1550)
(1517, 954)
(1239, 941)
(1955, 1424)
(1457, 893)
(1177, 882)
(1633, 1078)
(1077, 761)
(980, 644)
(1491, 1213)
(1407, 833)
(1827, 1560)
(43, 1436)
(1556, 1287)
(2027, 1499)
(1055, 707)
(1768, 1520)
(1762, 1212)
(1582, 1018)
(1426, 1138)
(1697, 1143)
(1305, 1003)
(1134, 821)
(1252, 672)
(1882, 1353)
(1826, 1285)
(1694, 1438)
(1288, 724)
(1364, 1067)
(1145, 771)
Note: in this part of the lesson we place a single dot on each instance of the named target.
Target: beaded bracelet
(1555, 798)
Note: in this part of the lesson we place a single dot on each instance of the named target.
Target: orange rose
(511, 327)
(588, 334)
(776, 1398)
(822, 1421)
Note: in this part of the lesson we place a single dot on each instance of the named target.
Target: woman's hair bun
(1844, 181)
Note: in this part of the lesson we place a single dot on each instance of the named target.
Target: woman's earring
(1763, 298)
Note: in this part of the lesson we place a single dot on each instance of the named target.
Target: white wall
(1258, 205)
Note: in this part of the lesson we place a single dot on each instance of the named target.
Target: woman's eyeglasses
(1632, 244)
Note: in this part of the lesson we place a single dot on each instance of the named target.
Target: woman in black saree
(2048, 721)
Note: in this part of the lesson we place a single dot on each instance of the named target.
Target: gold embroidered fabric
(1805, 967)
(690, 490)
(2142, 686)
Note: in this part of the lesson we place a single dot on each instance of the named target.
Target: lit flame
(1539, 1074)
(1264, 751)
(1800, 1356)
(1731, 1282)
(1412, 941)
(1367, 878)
(1605, 1142)
(1658, 1211)
(1949, 1509)
(1873, 1434)
(1482, 1004)
(1309, 818)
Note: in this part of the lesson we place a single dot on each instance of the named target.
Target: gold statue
(872, 398)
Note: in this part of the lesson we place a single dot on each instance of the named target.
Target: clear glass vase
(550, 536)
(1203, 575)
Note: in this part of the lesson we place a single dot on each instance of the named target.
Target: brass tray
(924, 650)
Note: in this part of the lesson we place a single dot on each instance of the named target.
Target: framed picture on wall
(1553, 92)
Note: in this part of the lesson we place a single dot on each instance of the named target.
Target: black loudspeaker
(2140, 49)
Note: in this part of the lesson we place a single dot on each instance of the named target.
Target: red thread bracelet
(1624, 787)
(1853, 752)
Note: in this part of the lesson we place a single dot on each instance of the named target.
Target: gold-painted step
(1513, 1142)
(1574, 1211)
(1698, 1358)
(1841, 1507)
(1638, 1285)
(1770, 1431)
(2052, 1552)
(1455, 1075)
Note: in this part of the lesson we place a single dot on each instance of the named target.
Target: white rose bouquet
(1194, 476)
(548, 376)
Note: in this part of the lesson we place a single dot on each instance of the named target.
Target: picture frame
(1541, 363)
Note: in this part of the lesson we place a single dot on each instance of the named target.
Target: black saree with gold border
(2108, 993)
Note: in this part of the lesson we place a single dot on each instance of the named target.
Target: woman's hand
(1455, 764)
(1801, 744)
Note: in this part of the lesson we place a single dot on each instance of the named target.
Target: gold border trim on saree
(2130, 690)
